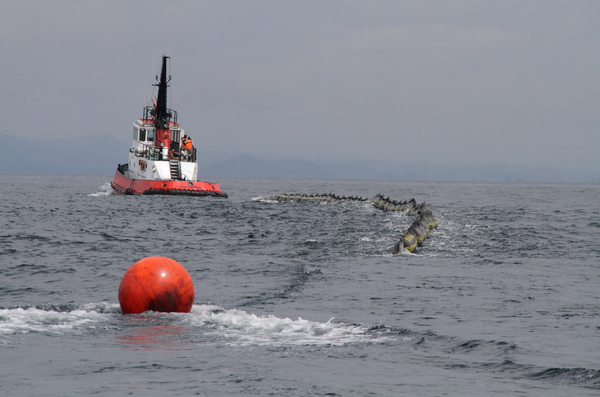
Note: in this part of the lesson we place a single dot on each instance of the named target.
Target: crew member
(187, 146)
(183, 145)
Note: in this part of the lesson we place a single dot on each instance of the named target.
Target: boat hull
(124, 185)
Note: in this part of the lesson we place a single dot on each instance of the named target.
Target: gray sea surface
(302, 298)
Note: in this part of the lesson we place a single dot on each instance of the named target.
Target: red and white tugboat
(159, 162)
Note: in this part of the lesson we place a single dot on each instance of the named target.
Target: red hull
(123, 185)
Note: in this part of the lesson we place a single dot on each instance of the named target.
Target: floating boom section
(413, 237)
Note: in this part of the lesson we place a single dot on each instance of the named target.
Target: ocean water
(302, 299)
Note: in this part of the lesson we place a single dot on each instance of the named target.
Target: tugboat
(160, 161)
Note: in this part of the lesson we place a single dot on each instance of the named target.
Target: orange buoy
(156, 283)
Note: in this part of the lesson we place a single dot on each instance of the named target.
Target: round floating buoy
(156, 283)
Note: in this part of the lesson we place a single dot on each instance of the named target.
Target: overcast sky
(445, 82)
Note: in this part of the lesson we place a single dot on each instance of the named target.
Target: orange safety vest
(188, 144)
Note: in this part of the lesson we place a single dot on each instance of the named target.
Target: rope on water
(298, 281)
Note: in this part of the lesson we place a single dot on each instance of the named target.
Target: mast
(162, 117)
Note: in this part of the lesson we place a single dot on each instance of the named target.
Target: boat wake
(106, 191)
(247, 329)
(213, 323)
(209, 324)
(52, 319)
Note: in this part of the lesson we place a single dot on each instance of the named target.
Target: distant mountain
(250, 167)
(96, 154)
(100, 154)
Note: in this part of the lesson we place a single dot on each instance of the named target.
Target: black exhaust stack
(162, 117)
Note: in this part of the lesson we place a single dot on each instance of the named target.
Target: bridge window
(175, 135)
(143, 134)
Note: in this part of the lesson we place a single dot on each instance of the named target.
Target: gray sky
(445, 82)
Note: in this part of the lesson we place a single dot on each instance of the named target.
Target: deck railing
(149, 112)
(154, 153)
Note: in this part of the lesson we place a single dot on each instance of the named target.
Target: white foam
(19, 320)
(242, 328)
(233, 327)
(106, 191)
(264, 200)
